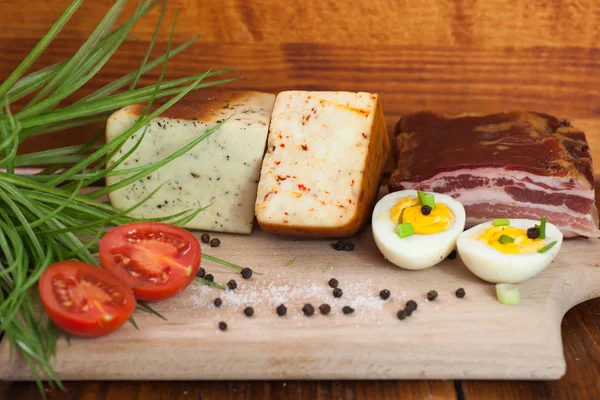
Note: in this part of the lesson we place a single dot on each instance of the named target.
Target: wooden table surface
(447, 56)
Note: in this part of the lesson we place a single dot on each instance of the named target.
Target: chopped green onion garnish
(547, 247)
(543, 228)
(426, 199)
(504, 239)
(501, 222)
(507, 293)
(404, 230)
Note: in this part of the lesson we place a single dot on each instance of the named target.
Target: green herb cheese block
(221, 172)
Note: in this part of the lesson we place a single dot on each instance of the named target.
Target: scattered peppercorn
(246, 273)
(337, 293)
(325, 309)
(223, 326)
(426, 210)
(339, 245)
(347, 310)
(411, 305)
(409, 312)
(402, 314)
(460, 293)
(201, 273)
(308, 310)
(218, 302)
(249, 311)
(281, 310)
(215, 242)
(209, 277)
(384, 294)
(232, 284)
(349, 246)
(452, 254)
(533, 233)
(432, 295)
(205, 238)
(333, 283)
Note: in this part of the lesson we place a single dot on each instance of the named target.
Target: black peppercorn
(249, 311)
(218, 302)
(223, 326)
(333, 283)
(432, 295)
(308, 310)
(281, 310)
(201, 273)
(349, 246)
(409, 312)
(426, 210)
(205, 238)
(246, 273)
(215, 242)
(402, 314)
(452, 255)
(411, 305)
(384, 294)
(209, 277)
(347, 310)
(337, 293)
(232, 284)
(533, 233)
(339, 245)
(460, 293)
(325, 309)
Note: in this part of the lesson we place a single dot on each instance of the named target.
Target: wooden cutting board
(450, 338)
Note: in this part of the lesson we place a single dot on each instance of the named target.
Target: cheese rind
(221, 172)
(324, 163)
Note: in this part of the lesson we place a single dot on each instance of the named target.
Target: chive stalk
(543, 228)
(426, 199)
(501, 222)
(43, 218)
(507, 293)
(547, 247)
(505, 239)
(404, 230)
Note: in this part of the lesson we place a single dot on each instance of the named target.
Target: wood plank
(451, 338)
(237, 390)
(581, 335)
(472, 23)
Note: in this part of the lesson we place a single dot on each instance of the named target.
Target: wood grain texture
(456, 56)
(472, 338)
(448, 56)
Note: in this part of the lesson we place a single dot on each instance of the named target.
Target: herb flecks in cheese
(221, 171)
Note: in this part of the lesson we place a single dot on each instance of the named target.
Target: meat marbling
(515, 164)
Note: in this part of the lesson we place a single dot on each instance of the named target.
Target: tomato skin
(150, 259)
(77, 321)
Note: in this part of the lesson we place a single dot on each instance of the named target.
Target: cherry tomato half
(85, 300)
(155, 260)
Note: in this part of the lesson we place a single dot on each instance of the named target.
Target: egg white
(494, 266)
(416, 251)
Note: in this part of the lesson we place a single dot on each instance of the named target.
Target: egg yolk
(408, 208)
(521, 245)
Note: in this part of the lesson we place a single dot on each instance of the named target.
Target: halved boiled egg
(509, 251)
(417, 230)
